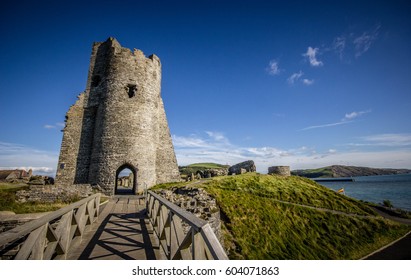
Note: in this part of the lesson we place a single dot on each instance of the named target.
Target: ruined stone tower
(118, 122)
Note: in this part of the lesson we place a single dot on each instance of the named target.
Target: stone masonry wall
(279, 170)
(118, 122)
(51, 194)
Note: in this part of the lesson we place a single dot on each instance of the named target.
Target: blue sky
(301, 83)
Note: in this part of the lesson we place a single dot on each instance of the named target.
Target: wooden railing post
(53, 235)
(199, 242)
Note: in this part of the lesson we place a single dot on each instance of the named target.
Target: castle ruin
(119, 122)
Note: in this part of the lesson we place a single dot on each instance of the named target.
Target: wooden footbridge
(125, 227)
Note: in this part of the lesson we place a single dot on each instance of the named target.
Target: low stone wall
(279, 170)
(50, 194)
(198, 202)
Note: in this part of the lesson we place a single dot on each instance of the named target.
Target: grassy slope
(258, 226)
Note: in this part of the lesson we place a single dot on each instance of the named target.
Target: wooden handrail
(167, 219)
(52, 235)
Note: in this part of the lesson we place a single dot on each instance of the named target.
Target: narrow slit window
(131, 90)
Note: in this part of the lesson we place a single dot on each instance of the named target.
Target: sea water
(395, 188)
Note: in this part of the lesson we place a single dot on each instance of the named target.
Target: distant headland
(339, 171)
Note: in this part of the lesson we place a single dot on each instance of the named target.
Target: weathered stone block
(248, 166)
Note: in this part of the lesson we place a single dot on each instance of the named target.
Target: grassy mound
(270, 217)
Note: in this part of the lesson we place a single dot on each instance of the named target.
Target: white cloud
(188, 142)
(217, 136)
(35, 169)
(54, 126)
(273, 68)
(353, 115)
(294, 77)
(311, 54)
(14, 156)
(332, 151)
(222, 151)
(388, 140)
(308, 82)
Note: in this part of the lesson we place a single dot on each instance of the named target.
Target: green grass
(11, 186)
(8, 201)
(257, 225)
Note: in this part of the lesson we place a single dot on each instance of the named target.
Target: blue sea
(395, 188)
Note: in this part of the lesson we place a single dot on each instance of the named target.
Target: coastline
(376, 189)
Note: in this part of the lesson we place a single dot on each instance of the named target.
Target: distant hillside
(201, 167)
(337, 171)
(207, 165)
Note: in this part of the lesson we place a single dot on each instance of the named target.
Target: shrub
(387, 203)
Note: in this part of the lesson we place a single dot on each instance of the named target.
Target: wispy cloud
(325, 125)
(295, 77)
(218, 136)
(14, 156)
(353, 115)
(218, 148)
(386, 140)
(188, 142)
(54, 126)
(273, 68)
(311, 54)
(308, 82)
(363, 43)
(338, 45)
(353, 44)
(348, 118)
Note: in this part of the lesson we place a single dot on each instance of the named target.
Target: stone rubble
(198, 202)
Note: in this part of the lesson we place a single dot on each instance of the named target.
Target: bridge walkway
(122, 232)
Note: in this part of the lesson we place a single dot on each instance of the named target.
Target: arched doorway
(126, 179)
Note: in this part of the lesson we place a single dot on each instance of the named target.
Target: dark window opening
(131, 90)
(95, 80)
(62, 165)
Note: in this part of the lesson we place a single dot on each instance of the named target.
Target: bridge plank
(122, 232)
